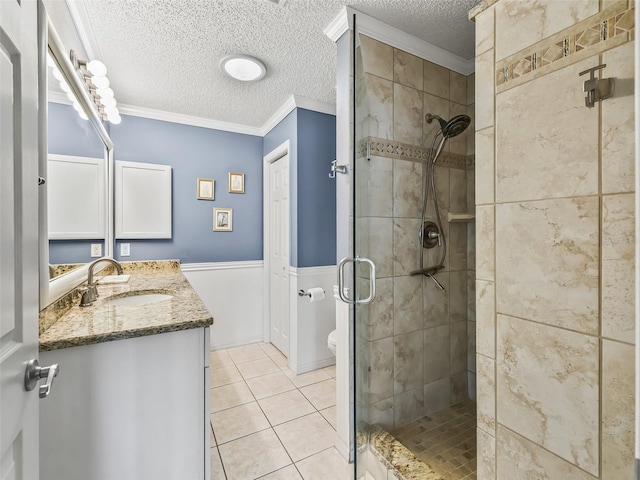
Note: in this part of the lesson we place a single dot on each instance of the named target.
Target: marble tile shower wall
(420, 340)
(555, 309)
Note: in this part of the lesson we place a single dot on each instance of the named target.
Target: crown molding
(395, 37)
(293, 102)
(188, 120)
(80, 19)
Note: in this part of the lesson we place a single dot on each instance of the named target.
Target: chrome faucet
(90, 293)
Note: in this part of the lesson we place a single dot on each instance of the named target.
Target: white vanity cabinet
(130, 409)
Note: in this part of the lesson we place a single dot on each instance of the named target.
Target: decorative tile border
(380, 147)
(602, 31)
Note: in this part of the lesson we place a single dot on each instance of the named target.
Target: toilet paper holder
(302, 293)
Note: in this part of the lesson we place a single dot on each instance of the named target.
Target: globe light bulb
(97, 68)
(115, 119)
(105, 92)
(100, 82)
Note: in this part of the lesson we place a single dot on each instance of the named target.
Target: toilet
(331, 341)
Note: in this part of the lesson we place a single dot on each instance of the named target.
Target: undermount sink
(134, 299)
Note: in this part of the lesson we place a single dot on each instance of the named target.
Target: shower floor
(444, 440)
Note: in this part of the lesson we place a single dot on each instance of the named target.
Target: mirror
(76, 162)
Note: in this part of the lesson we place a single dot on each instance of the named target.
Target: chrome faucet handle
(86, 299)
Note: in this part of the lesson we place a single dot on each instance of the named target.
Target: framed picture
(205, 189)
(236, 182)
(222, 219)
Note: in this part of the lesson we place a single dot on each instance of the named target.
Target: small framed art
(236, 182)
(222, 219)
(205, 189)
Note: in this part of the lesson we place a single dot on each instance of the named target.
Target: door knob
(35, 372)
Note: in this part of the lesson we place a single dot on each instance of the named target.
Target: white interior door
(279, 253)
(18, 237)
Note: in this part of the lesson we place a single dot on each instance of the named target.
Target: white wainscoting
(311, 322)
(233, 293)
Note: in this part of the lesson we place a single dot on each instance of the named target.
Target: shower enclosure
(414, 344)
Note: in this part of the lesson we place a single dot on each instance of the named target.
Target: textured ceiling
(164, 54)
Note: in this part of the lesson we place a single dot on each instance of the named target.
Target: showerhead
(453, 127)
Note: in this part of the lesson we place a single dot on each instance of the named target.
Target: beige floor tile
(253, 456)
(257, 368)
(306, 436)
(229, 396)
(281, 361)
(224, 376)
(326, 465)
(285, 406)
(269, 385)
(246, 353)
(270, 349)
(287, 473)
(219, 358)
(331, 370)
(330, 415)
(306, 378)
(322, 394)
(238, 422)
(217, 472)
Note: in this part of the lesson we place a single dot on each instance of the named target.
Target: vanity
(131, 398)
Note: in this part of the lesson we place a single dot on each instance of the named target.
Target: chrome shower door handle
(372, 280)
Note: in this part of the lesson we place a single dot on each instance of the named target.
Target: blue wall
(312, 137)
(68, 134)
(316, 224)
(195, 152)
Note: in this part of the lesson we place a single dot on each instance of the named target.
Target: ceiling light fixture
(243, 67)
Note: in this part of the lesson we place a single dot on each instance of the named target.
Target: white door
(18, 237)
(279, 253)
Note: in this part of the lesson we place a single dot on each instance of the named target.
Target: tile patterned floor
(269, 423)
(444, 440)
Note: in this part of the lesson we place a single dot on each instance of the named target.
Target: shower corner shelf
(460, 217)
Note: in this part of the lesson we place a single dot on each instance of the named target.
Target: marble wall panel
(618, 122)
(548, 388)
(436, 353)
(457, 296)
(406, 246)
(407, 304)
(407, 188)
(407, 69)
(459, 387)
(547, 262)
(485, 242)
(436, 80)
(520, 458)
(381, 376)
(437, 395)
(487, 456)
(521, 23)
(377, 57)
(407, 114)
(486, 394)
(375, 242)
(379, 111)
(408, 362)
(374, 187)
(436, 301)
(618, 384)
(546, 145)
(618, 273)
(485, 31)
(457, 246)
(408, 406)
(485, 88)
(458, 352)
(457, 88)
(485, 166)
(471, 88)
(485, 318)
(378, 315)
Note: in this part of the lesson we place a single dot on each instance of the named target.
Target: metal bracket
(335, 168)
(595, 88)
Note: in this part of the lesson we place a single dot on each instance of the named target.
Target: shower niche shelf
(460, 217)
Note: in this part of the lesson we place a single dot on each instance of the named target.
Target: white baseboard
(308, 367)
(222, 346)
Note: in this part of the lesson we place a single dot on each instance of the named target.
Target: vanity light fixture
(94, 77)
(243, 67)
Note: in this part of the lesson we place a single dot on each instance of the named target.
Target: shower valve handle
(432, 235)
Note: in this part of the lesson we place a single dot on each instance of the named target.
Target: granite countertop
(74, 326)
